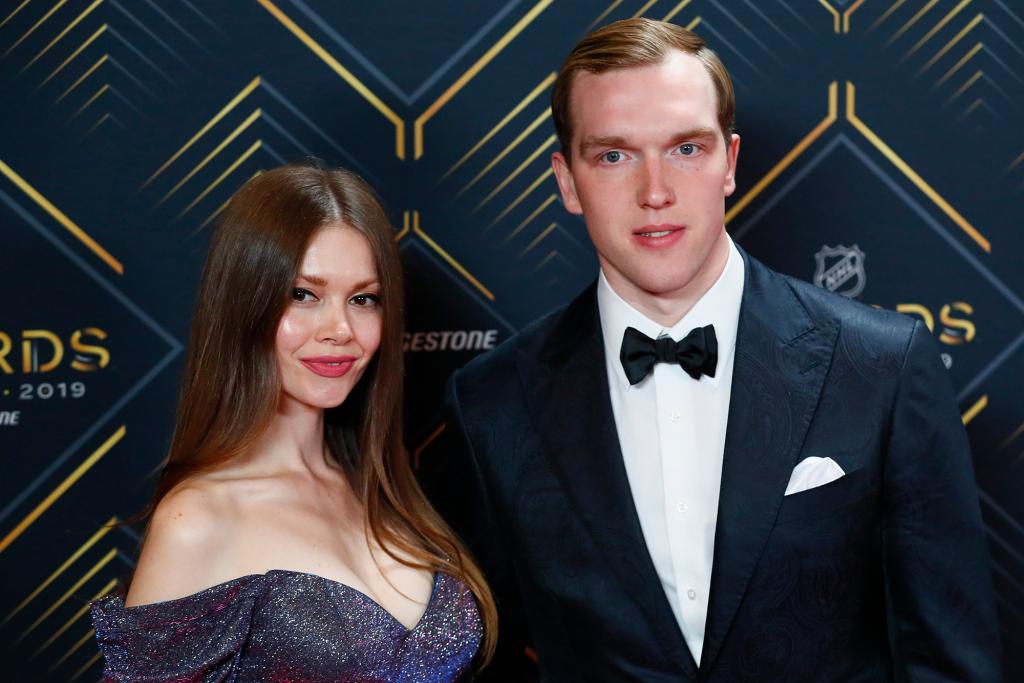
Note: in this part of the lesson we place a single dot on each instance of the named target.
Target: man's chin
(666, 285)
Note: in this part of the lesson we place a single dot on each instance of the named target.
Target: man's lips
(662, 230)
(329, 366)
(658, 236)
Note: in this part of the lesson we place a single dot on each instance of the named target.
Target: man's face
(650, 173)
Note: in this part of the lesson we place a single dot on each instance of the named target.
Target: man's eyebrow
(696, 133)
(592, 141)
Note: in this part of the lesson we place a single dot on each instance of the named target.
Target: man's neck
(668, 308)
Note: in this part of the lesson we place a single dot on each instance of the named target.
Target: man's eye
(302, 295)
(365, 300)
(612, 157)
(687, 149)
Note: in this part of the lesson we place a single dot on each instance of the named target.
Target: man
(701, 469)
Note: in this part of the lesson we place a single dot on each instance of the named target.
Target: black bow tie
(696, 353)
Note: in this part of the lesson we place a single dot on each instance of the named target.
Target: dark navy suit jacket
(880, 575)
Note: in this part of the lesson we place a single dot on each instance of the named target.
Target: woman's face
(331, 326)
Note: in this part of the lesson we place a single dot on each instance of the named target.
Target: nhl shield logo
(841, 270)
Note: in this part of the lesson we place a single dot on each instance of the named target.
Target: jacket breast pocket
(830, 499)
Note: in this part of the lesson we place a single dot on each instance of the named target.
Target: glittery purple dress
(288, 626)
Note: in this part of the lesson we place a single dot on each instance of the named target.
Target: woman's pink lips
(662, 241)
(330, 366)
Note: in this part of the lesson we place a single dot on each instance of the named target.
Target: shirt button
(681, 507)
(692, 594)
(675, 416)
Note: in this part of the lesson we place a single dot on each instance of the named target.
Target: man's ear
(566, 184)
(732, 154)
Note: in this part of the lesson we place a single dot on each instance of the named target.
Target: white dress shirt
(672, 434)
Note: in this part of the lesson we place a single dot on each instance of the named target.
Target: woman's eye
(302, 295)
(612, 157)
(687, 149)
(365, 300)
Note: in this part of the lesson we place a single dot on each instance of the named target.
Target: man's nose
(655, 191)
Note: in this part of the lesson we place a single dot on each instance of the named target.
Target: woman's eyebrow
(315, 279)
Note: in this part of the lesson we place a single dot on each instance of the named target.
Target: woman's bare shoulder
(187, 540)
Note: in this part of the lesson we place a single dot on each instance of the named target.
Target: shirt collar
(720, 306)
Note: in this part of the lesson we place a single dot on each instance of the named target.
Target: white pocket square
(813, 472)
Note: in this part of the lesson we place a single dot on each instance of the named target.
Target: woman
(288, 538)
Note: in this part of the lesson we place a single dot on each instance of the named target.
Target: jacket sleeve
(452, 478)
(942, 606)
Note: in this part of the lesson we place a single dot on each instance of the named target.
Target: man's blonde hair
(632, 43)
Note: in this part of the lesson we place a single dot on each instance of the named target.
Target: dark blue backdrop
(891, 126)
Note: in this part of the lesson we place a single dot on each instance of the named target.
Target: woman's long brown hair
(224, 407)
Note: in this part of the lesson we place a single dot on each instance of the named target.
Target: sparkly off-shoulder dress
(288, 626)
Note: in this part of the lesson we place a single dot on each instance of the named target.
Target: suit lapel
(567, 389)
(781, 361)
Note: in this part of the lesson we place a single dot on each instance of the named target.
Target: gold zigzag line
(529, 219)
(75, 617)
(22, 6)
(830, 118)
(447, 257)
(245, 92)
(974, 105)
(345, 74)
(87, 43)
(61, 488)
(100, 533)
(693, 24)
(676, 10)
(973, 411)
(949, 46)
(963, 88)
(913, 20)
(1012, 437)
(545, 260)
(892, 8)
(104, 88)
(465, 78)
(519, 169)
(423, 446)
(99, 123)
(935, 29)
(405, 227)
(538, 239)
(833, 12)
(218, 211)
(209, 157)
(63, 33)
(511, 146)
(85, 667)
(89, 635)
(209, 188)
(39, 23)
(608, 10)
(501, 124)
(59, 216)
(899, 163)
(81, 78)
(111, 554)
(848, 13)
(1014, 163)
(518, 200)
(643, 9)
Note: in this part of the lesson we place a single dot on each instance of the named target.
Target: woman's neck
(293, 441)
